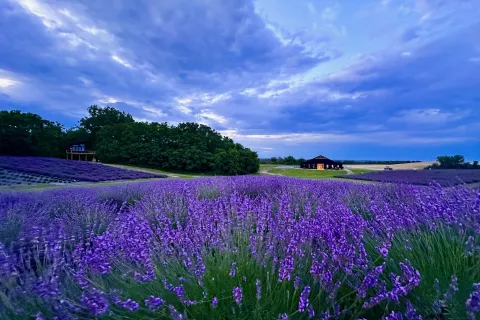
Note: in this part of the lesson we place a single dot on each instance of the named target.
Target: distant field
(402, 166)
(443, 177)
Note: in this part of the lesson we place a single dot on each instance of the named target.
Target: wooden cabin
(321, 163)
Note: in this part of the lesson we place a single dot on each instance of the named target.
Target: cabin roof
(320, 157)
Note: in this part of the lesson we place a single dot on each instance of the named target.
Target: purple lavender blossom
(174, 314)
(129, 304)
(393, 316)
(39, 316)
(296, 282)
(95, 301)
(370, 280)
(258, 285)
(411, 313)
(473, 301)
(179, 291)
(303, 303)
(286, 268)
(237, 295)
(283, 316)
(233, 269)
(469, 246)
(154, 303)
(214, 302)
(310, 312)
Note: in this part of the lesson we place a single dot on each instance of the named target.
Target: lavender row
(445, 177)
(69, 169)
(262, 247)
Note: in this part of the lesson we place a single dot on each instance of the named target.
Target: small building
(321, 163)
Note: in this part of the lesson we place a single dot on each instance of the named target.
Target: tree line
(118, 138)
(453, 162)
(290, 160)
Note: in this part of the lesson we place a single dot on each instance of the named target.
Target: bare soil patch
(402, 166)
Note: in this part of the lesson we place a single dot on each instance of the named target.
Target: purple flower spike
(214, 302)
(233, 269)
(129, 304)
(258, 285)
(303, 303)
(473, 302)
(237, 295)
(154, 303)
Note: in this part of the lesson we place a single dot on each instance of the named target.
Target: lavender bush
(69, 169)
(243, 247)
(445, 177)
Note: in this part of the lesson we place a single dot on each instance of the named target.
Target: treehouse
(321, 163)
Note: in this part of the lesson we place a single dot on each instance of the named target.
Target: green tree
(290, 160)
(450, 162)
(28, 134)
(99, 118)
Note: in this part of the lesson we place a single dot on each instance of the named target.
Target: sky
(370, 79)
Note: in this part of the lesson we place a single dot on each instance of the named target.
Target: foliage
(243, 247)
(187, 147)
(23, 134)
(453, 162)
(98, 118)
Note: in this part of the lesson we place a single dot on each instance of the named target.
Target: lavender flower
(95, 301)
(469, 246)
(473, 302)
(283, 316)
(296, 282)
(286, 268)
(452, 289)
(129, 304)
(233, 269)
(237, 295)
(394, 316)
(304, 302)
(154, 303)
(258, 285)
(214, 302)
(411, 313)
(175, 315)
(310, 312)
(179, 291)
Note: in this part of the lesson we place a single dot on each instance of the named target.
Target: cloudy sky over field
(378, 79)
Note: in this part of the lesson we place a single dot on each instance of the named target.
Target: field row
(242, 247)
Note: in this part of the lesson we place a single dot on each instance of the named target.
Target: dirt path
(348, 170)
(264, 171)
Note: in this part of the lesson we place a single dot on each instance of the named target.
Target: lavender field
(70, 169)
(443, 177)
(241, 248)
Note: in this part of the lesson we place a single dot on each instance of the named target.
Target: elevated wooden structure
(80, 155)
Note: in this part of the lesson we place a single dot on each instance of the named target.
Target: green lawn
(306, 173)
(358, 171)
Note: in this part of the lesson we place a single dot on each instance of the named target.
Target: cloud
(262, 82)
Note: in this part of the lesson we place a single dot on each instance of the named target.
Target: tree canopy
(28, 134)
(118, 138)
